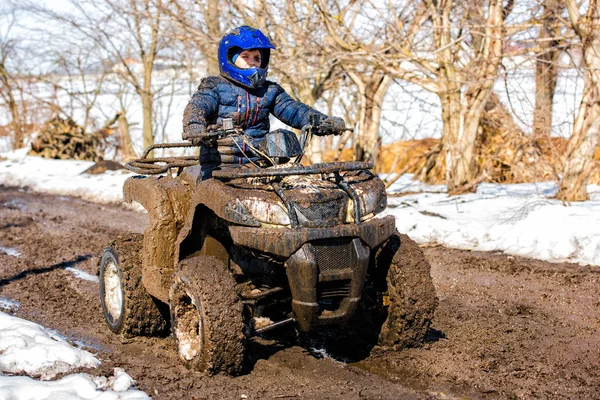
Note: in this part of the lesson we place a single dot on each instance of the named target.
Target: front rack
(295, 169)
(160, 165)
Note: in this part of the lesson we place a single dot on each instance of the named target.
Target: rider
(242, 93)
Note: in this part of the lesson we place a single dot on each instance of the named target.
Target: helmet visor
(234, 52)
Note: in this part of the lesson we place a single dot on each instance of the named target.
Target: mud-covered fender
(167, 201)
(210, 196)
(224, 201)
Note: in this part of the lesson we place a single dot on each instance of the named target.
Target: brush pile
(64, 139)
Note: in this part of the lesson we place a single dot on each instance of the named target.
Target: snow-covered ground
(516, 219)
(520, 219)
(28, 348)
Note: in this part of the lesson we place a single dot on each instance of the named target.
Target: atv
(260, 247)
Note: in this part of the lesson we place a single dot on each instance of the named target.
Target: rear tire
(206, 316)
(128, 308)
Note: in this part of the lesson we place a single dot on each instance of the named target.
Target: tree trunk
(461, 115)
(147, 119)
(546, 69)
(214, 33)
(372, 94)
(463, 98)
(586, 129)
(19, 136)
(147, 96)
(17, 126)
(127, 150)
(452, 125)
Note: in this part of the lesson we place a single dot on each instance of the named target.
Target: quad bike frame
(255, 249)
(175, 232)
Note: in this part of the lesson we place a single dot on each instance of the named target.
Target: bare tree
(350, 41)
(439, 46)
(125, 145)
(132, 33)
(546, 68)
(371, 89)
(199, 26)
(586, 129)
(464, 83)
(9, 85)
(80, 74)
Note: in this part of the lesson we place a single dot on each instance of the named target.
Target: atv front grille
(320, 214)
(333, 289)
(334, 254)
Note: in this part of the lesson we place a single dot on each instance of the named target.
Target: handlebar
(158, 165)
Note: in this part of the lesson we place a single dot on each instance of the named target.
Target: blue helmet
(240, 39)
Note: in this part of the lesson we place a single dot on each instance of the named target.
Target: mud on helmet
(240, 39)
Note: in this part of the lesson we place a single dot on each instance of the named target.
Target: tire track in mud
(506, 327)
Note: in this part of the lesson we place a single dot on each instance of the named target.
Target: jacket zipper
(257, 108)
(237, 116)
(247, 109)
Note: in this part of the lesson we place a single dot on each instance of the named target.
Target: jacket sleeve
(202, 108)
(292, 112)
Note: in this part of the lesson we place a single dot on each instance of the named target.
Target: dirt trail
(506, 327)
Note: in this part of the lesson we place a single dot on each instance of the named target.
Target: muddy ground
(506, 327)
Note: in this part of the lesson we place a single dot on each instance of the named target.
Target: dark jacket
(218, 98)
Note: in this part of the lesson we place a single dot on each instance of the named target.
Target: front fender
(167, 202)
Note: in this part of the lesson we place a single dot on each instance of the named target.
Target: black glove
(195, 134)
(331, 126)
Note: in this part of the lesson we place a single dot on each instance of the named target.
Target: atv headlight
(369, 191)
(267, 212)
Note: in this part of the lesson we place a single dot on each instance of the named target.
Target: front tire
(397, 303)
(127, 307)
(206, 316)
(404, 290)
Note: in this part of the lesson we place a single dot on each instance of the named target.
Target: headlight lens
(267, 212)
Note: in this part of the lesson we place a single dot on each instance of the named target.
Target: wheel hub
(113, 291)
(189, 329)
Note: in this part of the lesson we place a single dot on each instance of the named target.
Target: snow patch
(10, 251)
(82, 274)
(8, 304)
(62, 177)
(519, 219)
(28, 347)
(76, 386)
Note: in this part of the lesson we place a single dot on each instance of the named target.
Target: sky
(518, 219)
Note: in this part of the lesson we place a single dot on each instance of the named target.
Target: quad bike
(261, 247)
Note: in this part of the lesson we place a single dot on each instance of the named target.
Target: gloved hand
(195, 134)
(331, 126)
